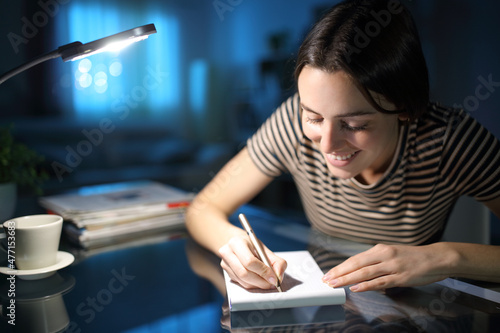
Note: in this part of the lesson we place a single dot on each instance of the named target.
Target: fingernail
(330, 283)
(272, 280)
(354, 288)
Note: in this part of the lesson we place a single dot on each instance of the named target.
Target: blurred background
(177, 106)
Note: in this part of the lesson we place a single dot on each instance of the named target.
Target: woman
(372, 158)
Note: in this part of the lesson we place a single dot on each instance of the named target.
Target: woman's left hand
(386, 266)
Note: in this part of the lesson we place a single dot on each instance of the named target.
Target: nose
(332, 138)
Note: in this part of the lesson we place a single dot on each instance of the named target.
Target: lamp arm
(38, 60)
(29, 64)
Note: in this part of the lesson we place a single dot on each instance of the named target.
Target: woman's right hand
(241, 262)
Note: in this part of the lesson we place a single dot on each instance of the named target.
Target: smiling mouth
(342, 157)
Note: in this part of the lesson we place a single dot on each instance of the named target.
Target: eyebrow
(345, 115)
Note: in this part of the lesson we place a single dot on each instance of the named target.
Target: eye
(314, 120)
(350, 128)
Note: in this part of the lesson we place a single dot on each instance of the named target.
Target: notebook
(302, 286)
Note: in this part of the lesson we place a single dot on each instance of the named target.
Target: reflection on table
(39, 305)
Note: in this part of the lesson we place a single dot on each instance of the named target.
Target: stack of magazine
(111, 214)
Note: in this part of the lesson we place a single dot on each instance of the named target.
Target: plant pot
(8, 198)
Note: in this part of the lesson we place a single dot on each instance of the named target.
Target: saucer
(63, 259)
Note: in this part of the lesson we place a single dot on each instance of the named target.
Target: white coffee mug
(33, 240)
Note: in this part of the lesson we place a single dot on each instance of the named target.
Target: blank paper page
(302, 286)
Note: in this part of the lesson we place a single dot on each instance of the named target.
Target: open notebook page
(302, 286)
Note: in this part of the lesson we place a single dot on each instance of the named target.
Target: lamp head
(116, 42)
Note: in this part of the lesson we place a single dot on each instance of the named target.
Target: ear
(404, 116)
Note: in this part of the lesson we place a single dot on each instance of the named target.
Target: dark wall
(462, 46)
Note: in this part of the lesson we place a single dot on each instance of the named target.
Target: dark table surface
(177, 286)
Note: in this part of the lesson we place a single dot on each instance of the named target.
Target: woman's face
(355, 139)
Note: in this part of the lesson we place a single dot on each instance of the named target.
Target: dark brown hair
(377, 44)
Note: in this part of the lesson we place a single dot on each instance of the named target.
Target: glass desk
(177, 286)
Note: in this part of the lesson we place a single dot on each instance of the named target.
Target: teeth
(342, 158)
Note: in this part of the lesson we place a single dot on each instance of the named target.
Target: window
(142, 79)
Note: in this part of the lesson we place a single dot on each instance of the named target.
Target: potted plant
(19, 166)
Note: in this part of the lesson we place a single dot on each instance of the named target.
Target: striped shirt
(439, 157)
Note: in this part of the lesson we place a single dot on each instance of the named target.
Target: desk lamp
(77, 50)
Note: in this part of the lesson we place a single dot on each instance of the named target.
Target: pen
(258, 247)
